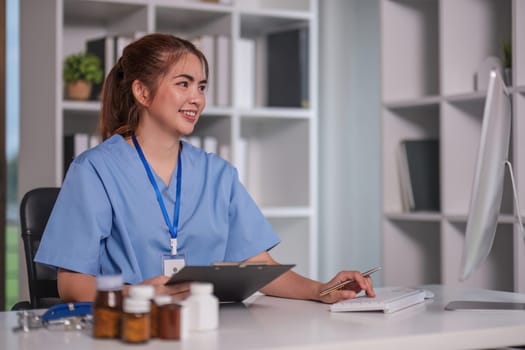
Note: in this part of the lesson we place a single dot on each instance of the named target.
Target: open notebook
(388, 299)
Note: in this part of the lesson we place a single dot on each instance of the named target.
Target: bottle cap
(109, 282)
(146, 292)
(201, 288)
(139, 306)
(163, 299)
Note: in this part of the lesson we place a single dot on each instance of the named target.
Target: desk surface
(265, 322)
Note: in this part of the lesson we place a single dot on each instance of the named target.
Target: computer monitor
(487, 189)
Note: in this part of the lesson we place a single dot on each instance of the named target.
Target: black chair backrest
(35, 210)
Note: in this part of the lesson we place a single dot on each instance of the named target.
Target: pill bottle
(141, 291)
(170, 321)
(203, 307)
(107, 307)
(146, 292)
(158, 301)
(136, 326)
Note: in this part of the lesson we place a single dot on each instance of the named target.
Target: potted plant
(81, 70)
(507, 62)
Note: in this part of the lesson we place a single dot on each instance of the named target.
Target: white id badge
(172, 264)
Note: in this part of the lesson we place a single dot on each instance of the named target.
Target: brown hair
(145, 60)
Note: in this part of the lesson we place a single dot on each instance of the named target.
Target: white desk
(265, 322)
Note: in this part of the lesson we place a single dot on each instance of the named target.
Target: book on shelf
(206, 44)
(419, 173)
(222, 70)
(407, 195)
(245, 73)
(287, 68)
(103, 48)
(74, 145)
(217, 49)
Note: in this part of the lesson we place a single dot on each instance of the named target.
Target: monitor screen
(487, 189)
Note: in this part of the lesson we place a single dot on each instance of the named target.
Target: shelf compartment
(85, 20)
(461, 125)
(279, 79)
(274, 169)
(472, 31)
(410, 62)
(412, 254)
(399, 124)
(295, 244)
(496, 272)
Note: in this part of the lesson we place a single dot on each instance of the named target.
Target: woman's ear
(140, 92)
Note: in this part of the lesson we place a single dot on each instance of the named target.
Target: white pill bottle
(202, 307)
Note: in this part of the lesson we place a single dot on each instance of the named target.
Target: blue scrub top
(107, 219)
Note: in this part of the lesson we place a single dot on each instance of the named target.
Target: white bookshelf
(281, 143)
(430, 52)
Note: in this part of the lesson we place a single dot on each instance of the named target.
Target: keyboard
(388, 300)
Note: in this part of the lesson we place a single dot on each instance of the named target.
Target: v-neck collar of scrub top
(163, 188)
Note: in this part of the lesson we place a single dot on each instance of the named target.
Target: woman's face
(180, 96)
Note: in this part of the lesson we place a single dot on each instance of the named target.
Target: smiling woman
(112, 215)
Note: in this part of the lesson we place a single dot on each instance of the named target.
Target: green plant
(82, 66)
(507, 54)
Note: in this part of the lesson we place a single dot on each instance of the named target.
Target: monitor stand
(494, 305)
(483, 305)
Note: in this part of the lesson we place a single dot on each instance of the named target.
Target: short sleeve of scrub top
(107, 219)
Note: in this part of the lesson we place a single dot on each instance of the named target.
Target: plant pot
(78, 90)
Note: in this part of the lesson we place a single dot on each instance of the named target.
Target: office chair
(35, 210)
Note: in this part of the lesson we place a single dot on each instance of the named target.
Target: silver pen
(344, 283)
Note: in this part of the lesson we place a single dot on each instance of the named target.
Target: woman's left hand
(350, 290)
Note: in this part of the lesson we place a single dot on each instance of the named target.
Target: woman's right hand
(179, 291)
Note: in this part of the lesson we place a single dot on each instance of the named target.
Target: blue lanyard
(173, 228)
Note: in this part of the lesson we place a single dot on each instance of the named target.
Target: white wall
(349, 140)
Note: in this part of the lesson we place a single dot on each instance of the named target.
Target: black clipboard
(231, 282)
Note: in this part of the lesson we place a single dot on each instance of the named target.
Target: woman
(113, 214)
